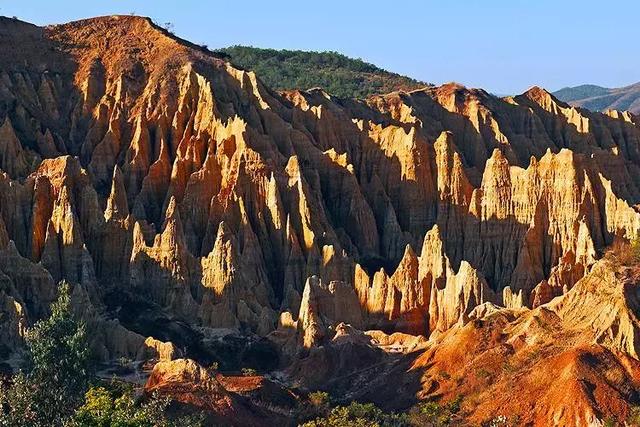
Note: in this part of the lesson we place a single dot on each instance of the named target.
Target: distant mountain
(599, 98)
(335, 73)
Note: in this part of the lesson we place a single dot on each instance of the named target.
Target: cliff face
(135, 163)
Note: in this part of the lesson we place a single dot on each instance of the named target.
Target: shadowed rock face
(135, 163)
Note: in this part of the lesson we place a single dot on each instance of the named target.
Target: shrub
(317, 405)
(319, 398)
(358, 415)
(454, 406)
(168, 26)
(483, 373)
(432, 413)
(249, 372)
(369, 415)
(500, 420)
(634, 416)
(508, 368)
(123, 361)
(625, 253)
(118, 407)
(123, 366)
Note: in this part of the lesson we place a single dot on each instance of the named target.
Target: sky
(503, 46)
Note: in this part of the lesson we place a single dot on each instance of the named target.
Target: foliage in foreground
(115, 406)
(56, 373)
(368, 415)
(358, 415)
(55, 389)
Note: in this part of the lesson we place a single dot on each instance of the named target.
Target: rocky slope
(143, 169)
(575, 357)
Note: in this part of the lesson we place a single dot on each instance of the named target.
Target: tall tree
(56, 375)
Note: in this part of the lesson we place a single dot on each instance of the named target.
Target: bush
(320, 399)
(445, 375)
(249, 372)
(434, 414)
(358, 415)
(500, 420)
(369, 415)
(317, 405)
(634, 416)
(625, 254)
(103, 408)
(168, 26)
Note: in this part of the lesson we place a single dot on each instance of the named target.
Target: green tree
(57, 373)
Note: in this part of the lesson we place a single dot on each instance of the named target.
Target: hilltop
(335, 73)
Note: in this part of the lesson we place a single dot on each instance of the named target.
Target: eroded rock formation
(136, 164)
(576, 357)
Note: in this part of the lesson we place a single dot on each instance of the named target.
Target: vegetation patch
(337, 74)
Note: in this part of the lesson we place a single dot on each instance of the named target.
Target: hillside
(337, 74)
(598, 98)
(407, 248)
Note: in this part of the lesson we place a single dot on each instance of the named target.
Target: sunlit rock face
(573, 361)
(135, 163)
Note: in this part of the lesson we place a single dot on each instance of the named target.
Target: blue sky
(504, 46)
